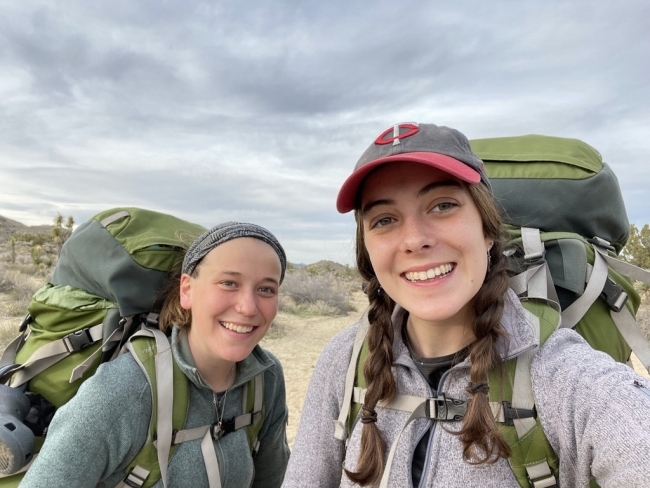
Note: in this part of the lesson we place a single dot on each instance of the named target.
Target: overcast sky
(258, 110)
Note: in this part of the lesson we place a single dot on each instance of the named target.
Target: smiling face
(233, 298)
(424, 236)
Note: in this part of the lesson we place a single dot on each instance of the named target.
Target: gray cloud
(260, 111)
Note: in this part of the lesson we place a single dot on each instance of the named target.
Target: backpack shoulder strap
(532, 458)
(352, 377)
(152, 351)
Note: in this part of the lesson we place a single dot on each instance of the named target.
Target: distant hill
(9, 227)
(331, 267)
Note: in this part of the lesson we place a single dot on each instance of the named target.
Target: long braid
(377, 370)
(481, 438)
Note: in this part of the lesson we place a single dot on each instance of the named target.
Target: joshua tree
(60, 232)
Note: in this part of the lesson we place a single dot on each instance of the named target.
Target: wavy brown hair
(171, 312)
(482, 441)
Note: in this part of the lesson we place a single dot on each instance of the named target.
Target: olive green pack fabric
(555, 184)
(113, 266)
(562, 188)
(104, 288)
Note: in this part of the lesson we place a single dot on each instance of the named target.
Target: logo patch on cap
(397, 133)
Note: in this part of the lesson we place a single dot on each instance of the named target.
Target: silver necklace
(219, 401)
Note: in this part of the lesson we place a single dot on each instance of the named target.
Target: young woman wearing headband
(220, 308)
(441, 319)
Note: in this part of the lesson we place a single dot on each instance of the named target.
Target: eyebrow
(238, 274)
(423, 191)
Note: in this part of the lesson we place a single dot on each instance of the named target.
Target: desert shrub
(6, 282)
(19, 294)
(307, 293)
(8, 330)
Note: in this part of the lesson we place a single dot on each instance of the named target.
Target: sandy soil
(297, 342)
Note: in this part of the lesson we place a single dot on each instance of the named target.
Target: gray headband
(228, 231)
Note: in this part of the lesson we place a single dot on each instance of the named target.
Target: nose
(246, 303)
(416, 235)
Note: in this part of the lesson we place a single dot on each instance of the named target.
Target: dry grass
(306, 292)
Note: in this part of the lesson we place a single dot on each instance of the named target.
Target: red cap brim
(348, 192)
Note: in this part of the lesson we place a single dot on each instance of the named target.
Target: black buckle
(446, 408)
(25, 322)
(76, 341)
(509, 413)
(613, 295)
(220, 429)
(597, 241)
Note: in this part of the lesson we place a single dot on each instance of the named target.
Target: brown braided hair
(482, 441)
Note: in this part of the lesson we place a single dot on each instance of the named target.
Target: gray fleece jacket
(596, 419)
(96, 435)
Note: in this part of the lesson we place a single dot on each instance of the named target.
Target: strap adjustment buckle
(78, 340)
(219, 429)
(510, 413)
(535, 259)
(602, 243)
(613, 295)
(445, 408)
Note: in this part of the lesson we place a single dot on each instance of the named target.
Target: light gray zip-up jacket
(594, 416)
(96, 435)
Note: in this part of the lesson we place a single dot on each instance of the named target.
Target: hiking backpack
(566, 223)
(101, 301)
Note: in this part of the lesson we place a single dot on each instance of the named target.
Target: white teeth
(429, 273)
(237, 328)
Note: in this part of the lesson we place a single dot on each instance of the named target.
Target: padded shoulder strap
(170, 399)
(340, 425)
(532, 458)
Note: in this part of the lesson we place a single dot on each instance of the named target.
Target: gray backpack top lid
(555, 184)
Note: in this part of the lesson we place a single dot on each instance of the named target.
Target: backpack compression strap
(532, 284)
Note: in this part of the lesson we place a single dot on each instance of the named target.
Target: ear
(186, 291)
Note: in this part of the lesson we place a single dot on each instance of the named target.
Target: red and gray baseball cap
(436, 146)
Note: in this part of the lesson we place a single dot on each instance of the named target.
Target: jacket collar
(256, 362)
(520, 336)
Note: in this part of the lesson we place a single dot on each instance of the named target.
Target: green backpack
(567, 223)
(101, 301)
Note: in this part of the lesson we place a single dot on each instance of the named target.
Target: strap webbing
(106, 221)
(340, 425)
(536, 281)
(522, 388)
(135, 478)
(49, 354)
(572, 315)
(210, 460)
(541, 476)
(629, 329)
(80, 370)
(164, 386)
(9, 354)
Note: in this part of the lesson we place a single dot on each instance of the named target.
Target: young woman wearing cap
(220, 308)
(441, 318)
